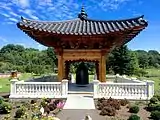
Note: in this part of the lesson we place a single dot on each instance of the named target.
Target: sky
(57, 10)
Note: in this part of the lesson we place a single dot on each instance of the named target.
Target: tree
(154, 57)
(122, 61)
(52, 56)
(142, 58)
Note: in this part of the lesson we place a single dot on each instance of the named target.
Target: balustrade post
(95, 77)
(116, 79)
(72, 78)
(64, 88)
(150, 89)
(13, 87)
(96, 88)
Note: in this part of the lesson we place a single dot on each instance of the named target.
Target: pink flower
(60, 105)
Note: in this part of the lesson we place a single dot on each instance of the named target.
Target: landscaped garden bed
(113, 109)
(36, 109)
(154, 107)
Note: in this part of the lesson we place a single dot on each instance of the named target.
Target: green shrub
(134, 117)
(153, 100)
(1, 99)
(124, 102)
(19, 113)
(5, 108)
(134, 109)
(33, 101)
(155, 115)
(153, 107)
(157, 96)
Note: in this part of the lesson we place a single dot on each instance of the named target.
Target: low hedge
(134, 109)
(134, 117)
(155, 115)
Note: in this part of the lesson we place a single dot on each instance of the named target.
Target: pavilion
(83, 39)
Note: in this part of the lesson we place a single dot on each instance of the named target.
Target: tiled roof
(84, 26)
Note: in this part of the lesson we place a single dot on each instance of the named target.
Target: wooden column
(103, 60)
(60, 66)
(100, 69)
(97, 69)
(67, 68)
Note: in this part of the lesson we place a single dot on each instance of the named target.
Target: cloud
(22, 3)
(111, 4)
(4, 14)
(29, 13)
(13, 19)
(13, 14)
(3, 39)
(52, 9)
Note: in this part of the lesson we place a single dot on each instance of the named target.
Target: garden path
(79, 101)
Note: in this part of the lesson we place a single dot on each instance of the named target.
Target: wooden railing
(134, 91)
(21, 89)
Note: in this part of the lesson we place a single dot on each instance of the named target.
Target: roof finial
(83, 14)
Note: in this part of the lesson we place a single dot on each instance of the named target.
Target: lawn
(154, 75)
(5, 82)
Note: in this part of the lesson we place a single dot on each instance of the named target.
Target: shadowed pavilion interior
(83, 39)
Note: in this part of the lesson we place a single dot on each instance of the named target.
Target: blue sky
(53, 10)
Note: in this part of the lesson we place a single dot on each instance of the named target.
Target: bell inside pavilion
(83, 39)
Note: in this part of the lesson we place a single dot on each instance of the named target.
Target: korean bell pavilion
(83, 39)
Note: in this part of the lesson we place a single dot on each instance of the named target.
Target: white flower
(42, 110)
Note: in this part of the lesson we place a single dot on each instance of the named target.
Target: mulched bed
(122, 112)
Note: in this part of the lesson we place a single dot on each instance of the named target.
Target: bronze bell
(82, 76)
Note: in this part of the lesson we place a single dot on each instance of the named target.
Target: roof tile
(83, 26)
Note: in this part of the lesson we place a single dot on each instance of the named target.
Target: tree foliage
(16, 57)
(121, 60)
(124, 61)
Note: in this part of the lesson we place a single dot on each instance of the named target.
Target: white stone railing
(132, 91)
(125, 79)
(21, 89)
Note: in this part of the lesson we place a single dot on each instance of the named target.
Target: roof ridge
(133, 18)
(87, 19)
(22, 18)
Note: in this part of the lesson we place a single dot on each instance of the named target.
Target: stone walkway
(76, 114)
(79, 101)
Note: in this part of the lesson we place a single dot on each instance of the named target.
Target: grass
(5, 82)
(5, 85)
(154, 75)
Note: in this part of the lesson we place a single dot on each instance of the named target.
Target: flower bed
(122, 109)
(43, 109)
